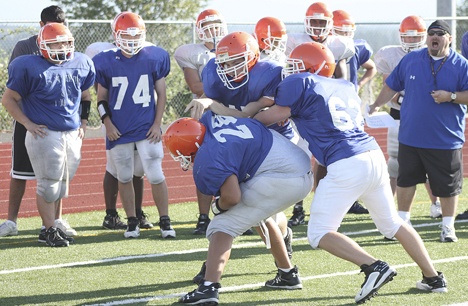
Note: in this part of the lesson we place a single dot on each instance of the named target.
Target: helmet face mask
(129, 32)
(318, 21)
(310, 57)
(211, 26)
(236, 54)
(56, 43)
(413, 33)
(182, 138)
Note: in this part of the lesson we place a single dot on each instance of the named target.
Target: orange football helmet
(126, 25)
(53, 33)
(413, 33)
(236, 54)
(318, 21)
(310, 57)
(270, 33)
(211, 26)
(343, 24)
(183, 137)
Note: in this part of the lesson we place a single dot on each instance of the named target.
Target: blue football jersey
(50, 93)
(130, 82)
(231, 146)
(327, 114)
(363, 54)
(264, 78)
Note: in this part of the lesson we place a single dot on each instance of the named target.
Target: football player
(271, 36)
(52, 90)
(254, 172)
(132, 98)
(327, 114)
(192, 58)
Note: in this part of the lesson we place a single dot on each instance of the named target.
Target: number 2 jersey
(327, 114)
(130, 82)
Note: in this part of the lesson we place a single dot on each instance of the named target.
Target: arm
(371, 70)
(341, 70)
(112, 133)
(442, 96)
(154, 134)
(193, 81)
(385, 95)
(10, 101)
(253, 108)
(274, 114)
(230, 193)
(85, 99)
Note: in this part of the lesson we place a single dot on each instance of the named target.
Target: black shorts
(443, 169)
(21, 165)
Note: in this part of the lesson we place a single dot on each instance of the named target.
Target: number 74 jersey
(131, 86)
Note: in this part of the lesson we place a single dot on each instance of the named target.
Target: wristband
(85, 108)
(103, 109)
(215, 207)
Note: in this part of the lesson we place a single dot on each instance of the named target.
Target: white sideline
(259, 285)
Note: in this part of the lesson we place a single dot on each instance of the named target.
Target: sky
(252, 10)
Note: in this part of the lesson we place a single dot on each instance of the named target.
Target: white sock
(285, 270)
(9, 221)
(405, 215)
(448, 221)
(207, 283)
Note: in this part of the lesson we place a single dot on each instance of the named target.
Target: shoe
(288, 242)
(144, 221)
(248, 232)
(8, 228)
(198, 279)
(448, 234)
(54, 239)
(377, 275)
(42, 236)
(298, 216)
(166, 229)
(203, 295)
(434, 284)
(65, 227)
(436, 211)
(286, 280)
(462, 216)
(357, 209)
(133, 230)
(113, 222)
(202, 224)
(390, 238)
(65, 236)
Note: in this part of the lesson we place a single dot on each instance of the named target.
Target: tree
(166, 35)
(148, 9)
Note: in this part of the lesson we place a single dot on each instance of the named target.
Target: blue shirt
(50, 93)
(130, 82)
(363, 53)
(231, 146)
(264, 77)
(423, 122)
(327, 114)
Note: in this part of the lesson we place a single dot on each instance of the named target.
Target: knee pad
(155, 173)
(49, 190)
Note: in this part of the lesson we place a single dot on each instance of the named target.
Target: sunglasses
(432, 33)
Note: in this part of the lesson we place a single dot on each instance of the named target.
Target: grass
(105, 268)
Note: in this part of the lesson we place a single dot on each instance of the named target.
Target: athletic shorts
(443, 169)
(21, 167)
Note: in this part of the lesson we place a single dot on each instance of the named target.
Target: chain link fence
(170, 35)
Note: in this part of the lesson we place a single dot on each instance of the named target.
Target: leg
(405, 197)
(110, 187)
(204, 202)
(219, 252)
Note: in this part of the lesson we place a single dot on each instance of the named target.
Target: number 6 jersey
(130, 82)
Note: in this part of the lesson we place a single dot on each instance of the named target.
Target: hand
(36, 130)
(112, 132)
(154, 133)
(215, 207)
(372, 109)
(198, 106)
(441, 96)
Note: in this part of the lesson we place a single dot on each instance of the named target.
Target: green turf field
(104, 268)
